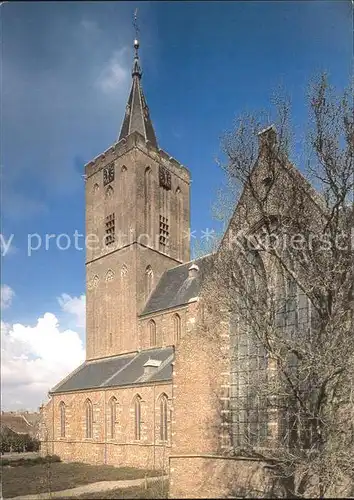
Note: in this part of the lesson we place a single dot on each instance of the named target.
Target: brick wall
(165, 326)
(122, 449)
(116, 273)
(214, 476)
(200, 370)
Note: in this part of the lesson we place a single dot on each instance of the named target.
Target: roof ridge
(25, 419)
(108, 358)
(191, 261)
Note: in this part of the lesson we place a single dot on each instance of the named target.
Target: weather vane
(136, 27)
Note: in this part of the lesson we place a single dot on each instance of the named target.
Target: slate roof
(176, 288)
(137, 116)
(118, 371)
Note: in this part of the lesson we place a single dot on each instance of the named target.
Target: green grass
(16, 462)
(157, 489)
(42, 478)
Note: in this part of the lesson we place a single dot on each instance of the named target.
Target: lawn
(157, 489)
(41, 478)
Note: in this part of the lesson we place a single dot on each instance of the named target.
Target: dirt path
(89, 488)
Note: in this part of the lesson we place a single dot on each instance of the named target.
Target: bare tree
(284, 270)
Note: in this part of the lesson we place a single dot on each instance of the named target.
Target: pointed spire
(137, 117)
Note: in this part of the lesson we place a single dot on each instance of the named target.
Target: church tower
(137, 226)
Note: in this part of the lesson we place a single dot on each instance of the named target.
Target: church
(155, 390)
(142, 296)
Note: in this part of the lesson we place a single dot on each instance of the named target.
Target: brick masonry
(118, 287)
(116, 293)
(116, 273)
(123, 449)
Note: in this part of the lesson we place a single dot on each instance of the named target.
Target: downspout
(154, 427)
(53, 425)
(105, 429)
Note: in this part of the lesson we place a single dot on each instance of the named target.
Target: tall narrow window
(179, 236)
(177, 328)
(110, 229)
(249, 365)
(165, 187)
(164, 233)
(152, 332)
(62, 418)
(148, 203)
(163, 418)
(137, 418)
(125, 298)
(149, 276)
(112, 417)
(89, 419)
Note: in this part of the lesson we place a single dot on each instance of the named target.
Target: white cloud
(115, 72)
(90, 27)
(75, 306)
(35, 358)
(7, 294)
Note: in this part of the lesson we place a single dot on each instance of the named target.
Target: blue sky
(64, 85)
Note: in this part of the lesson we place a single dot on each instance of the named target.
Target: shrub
(10, 441)
(52, 458)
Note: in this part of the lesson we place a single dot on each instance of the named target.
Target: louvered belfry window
(110, 229)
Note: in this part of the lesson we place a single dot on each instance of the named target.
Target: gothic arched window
(137, 417)
(152, 332)
(109, 192)
(149, 276)
(148, 202)
(163, 417)
(179, 210)
(109, 275)
(176, 327)
(249, 362)
(164, 229)
(112, 416)
(89, 419)
(62, 418)
(95, 281)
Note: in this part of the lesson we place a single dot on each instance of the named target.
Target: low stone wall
(209, 476)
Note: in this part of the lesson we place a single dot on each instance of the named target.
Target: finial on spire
(136, 66)
(136, 28)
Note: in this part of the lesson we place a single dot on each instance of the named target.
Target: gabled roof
(137, 116)
(16, 423)
(118, 371)
(176, 287)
